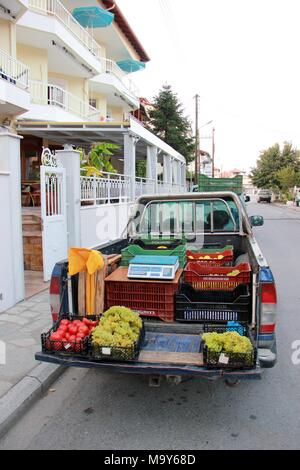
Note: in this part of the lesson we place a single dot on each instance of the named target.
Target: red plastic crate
(211, 259)
(148, 298)
(216, 278)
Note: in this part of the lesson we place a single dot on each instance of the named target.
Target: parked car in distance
(264, 195)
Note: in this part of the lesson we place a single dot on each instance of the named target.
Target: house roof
(126, 29)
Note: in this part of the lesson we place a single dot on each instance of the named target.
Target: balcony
(14, 96)
(70, 43)
(116, 85)
(12, 10)
(53, 103)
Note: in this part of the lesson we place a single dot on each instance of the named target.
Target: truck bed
(168, 349)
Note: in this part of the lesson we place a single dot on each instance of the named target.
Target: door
(54, 217)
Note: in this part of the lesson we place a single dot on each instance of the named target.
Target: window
(93, 102)
(188, 217)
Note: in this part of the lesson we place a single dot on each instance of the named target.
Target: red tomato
(65, 322)
(62, 328)
(84, 329)
(72, 329)
(77, 322)
(67, 336)
(94, 323)
(87, 322)
(72, 338)
(80, 336)
(56, 336)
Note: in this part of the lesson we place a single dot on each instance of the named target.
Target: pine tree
(168, 122)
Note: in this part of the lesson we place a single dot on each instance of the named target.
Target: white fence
(111, 188)
(114, 188)
(56, 8)
(13, 70)
(43, 93)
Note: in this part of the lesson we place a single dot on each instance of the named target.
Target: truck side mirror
(256, 220)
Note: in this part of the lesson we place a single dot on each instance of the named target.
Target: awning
(93, 17)
(85, 134)
(130, 65)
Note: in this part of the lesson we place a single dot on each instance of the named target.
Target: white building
(66, 84)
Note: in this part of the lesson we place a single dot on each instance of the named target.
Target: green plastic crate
(135, 250)
(206, 184)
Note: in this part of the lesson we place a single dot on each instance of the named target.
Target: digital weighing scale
(153, 267)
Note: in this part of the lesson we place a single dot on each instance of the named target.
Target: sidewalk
(285, 206)
(22, 378)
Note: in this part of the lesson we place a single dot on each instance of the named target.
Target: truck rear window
(177, 217)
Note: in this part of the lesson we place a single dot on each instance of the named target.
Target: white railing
(13, 71)
(111, 188)
(52, 95)
(115, 188)
(109, 66)
(144, 186)
(56, 8)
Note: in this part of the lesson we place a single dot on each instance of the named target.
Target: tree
(288, 178)
(267, 173)
(168, 122)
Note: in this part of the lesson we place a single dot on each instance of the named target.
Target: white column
(129, 161)
(152, 164)
(183, 175)
(70, 160)
(12, 288)
(167, 169)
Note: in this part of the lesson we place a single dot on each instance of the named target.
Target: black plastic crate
(66, 348)
(192, 305)
(117, 353)
(236, 360)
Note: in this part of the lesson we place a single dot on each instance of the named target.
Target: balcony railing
(144, 186)
(52, 95)
(13, 71)
(115, 188)
(111, 188)
(57, 9)
(109, 66)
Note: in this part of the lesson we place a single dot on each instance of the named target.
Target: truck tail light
(55, 296)
(268, 308)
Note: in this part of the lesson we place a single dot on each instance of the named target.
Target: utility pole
(197, 137)
(213, 153)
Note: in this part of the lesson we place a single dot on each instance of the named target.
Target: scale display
(153, 267)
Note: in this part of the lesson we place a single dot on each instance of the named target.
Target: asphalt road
(92, 410)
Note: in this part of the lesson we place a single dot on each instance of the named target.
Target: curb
(284, 206)
(22, 395)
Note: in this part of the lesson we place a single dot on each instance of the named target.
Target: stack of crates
(213, 290)
(149, 298)
(162, 250)
(235, 184)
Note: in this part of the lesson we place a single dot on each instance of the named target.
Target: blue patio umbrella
(131, 65)
(93, 17)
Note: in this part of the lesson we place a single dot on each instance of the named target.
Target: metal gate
(53, 212)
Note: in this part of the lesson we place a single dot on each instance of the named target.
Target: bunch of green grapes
(119, 326)
(230, 342)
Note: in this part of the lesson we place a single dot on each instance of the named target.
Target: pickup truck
(194, 217)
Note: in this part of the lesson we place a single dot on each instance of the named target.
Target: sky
(240, 56)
